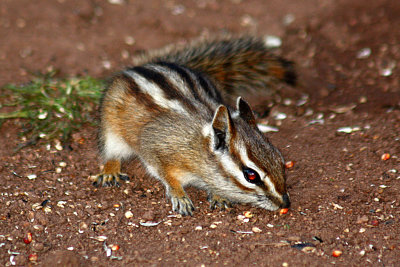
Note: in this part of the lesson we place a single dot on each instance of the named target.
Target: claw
(124, 177)
(112, 179)
(217, 201)
(182, 205)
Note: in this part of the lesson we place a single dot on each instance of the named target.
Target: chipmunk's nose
(286, 201)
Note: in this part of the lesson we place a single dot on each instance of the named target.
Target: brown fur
(174, 112)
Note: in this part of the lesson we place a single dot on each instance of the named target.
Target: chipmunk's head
(250, 169)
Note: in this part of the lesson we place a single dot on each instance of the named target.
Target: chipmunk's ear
(222, 127)
(245, 112)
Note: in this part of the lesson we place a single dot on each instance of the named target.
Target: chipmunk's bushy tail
(237, 65)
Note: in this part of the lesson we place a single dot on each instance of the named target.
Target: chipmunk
(174, 111)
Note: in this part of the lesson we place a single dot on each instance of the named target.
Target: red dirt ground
(344, 196)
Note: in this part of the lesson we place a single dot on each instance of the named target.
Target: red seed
(28, 238)
(289, 164)
(283, 211)
(385, 156)
(336, 253)
(374, 222)
(33, 257)
(114, 247)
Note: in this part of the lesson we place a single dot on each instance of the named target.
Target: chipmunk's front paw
(220, 202)
(182, 205)
(110, 179)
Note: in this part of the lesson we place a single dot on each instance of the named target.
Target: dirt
(345, 197)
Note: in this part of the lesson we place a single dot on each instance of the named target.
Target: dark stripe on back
(183, 74)
(133, 89)
(171, 92)
(193, 86)
(208, 87)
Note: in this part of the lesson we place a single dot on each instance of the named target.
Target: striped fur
(174, 118)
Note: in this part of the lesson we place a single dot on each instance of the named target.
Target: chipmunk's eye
(251, 176)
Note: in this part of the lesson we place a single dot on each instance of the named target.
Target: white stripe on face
(155, 92)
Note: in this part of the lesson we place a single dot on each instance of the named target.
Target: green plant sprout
(51, 108)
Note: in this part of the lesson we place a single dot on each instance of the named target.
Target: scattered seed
(58, 145)
(343, 109)
(106, 64)
(62, 164)
(287, 101)
(362, 100)
(213, 226)
(289, 164)
(198, 228)
(256, 229)
(362, 230)
(42, 115)
(336, 253)
(272, 41)
(32, 257)
(128, 214)
(288, 19)
(28, 238)
(100, 238)
(348, 129)
(336, 206)
(242, 232)
(116, 2)
(280, 116)
(115, 247)
(266, 128)
(70, 248)
(129, 40)
(364, 53)
(248, 214)
(58, 170)
(32, 176)
(178, 9)
(385, 156)
(149, 224)
(270, 225)
(242, 218)
(362, 253)
(375, 223)
(283, 211)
